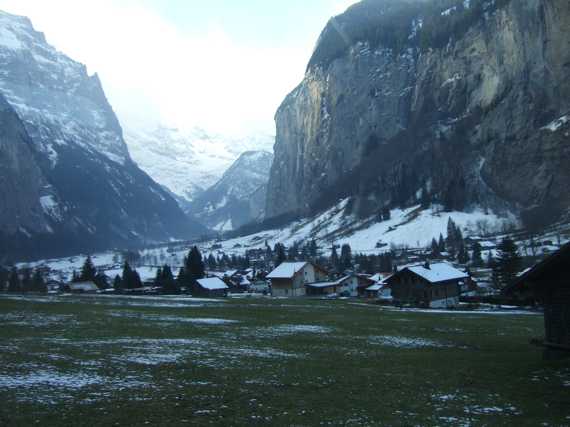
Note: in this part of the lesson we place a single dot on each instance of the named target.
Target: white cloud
(152, 71)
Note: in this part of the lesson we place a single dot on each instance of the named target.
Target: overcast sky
(224, 65)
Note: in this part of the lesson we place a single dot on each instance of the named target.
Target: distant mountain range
(187, 163)
(67, 181)
(239, 196)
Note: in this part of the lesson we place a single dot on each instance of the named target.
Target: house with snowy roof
(428, 285)
(289, 278)
(211, 287)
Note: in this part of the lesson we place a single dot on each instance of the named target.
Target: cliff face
(67, 182)
(478, 119)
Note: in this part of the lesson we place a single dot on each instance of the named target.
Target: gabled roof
(287, 270)
(560, 256)
(329, 284)
(212, 284)
(437, 273)
(83, 286)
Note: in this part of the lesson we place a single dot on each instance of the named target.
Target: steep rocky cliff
(67, 182)
(465, 103)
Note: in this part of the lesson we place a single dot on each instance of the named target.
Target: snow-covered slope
(413, 228)
(189, 162)
(234, 200)
(67, 182)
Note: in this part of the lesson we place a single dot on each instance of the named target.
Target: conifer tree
(88, 271)
(280, 256)
(335, 261)
(38, 282)
(118, 283)
(346, 257)
(435, 253)
(509, 263)
(27, 283)
(14, 283)
(194, 268)
(169, 285)
(477, 259)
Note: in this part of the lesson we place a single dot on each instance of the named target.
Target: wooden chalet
(549, 283)
(289, 279)
(431, 286)
(212, 287)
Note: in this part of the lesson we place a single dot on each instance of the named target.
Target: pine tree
(346, 257)
(118, 283)
(335, 261)
(169, 285)
(509, 263)
(38, 282)
(14, 283)
(280, 256)
(435, 253)
(463, 255)
(441, 244)
(477, 259)
(88, 271)
(27, 283)
(194, 268)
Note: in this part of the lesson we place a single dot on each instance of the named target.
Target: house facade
(429, 286)
(549, 283)
(290, 278)
(212, 287)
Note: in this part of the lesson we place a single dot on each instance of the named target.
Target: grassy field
(104, 361)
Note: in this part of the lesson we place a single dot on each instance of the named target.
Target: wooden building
(346, 286)
(431, 286)
(290, 278)
(212, 287)
(549, 283)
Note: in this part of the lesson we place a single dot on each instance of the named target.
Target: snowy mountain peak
(188, 162)
(62, 95)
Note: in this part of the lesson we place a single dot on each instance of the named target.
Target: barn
(211, 287)
(549, 283)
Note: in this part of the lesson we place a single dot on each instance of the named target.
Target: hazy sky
(224, 65)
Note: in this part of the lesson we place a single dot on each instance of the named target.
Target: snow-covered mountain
(189, 162)
(239, 196)
(67, 181)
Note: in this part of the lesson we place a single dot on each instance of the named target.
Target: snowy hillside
(237, 198)
(189, 162)
(411, 227)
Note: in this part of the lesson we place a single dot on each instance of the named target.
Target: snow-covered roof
(374, 288)
(212, 284)
(440, 272)
(287, 270)
(329, 284)
(83, 286)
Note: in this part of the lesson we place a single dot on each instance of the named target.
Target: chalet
(364, 282)
(345, 286)
(211, 287)
(290, 278)
(82, 288)
(432, 286)
(549, 283)
(380, 289)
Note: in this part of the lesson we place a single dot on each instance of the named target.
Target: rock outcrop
(465, 103)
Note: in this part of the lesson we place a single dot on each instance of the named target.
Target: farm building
(211, 287)
(82, 288)
(434, 286)
(345, 286)
(290, 278)
(549, 283)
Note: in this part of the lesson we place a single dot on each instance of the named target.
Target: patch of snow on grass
(405, 342)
